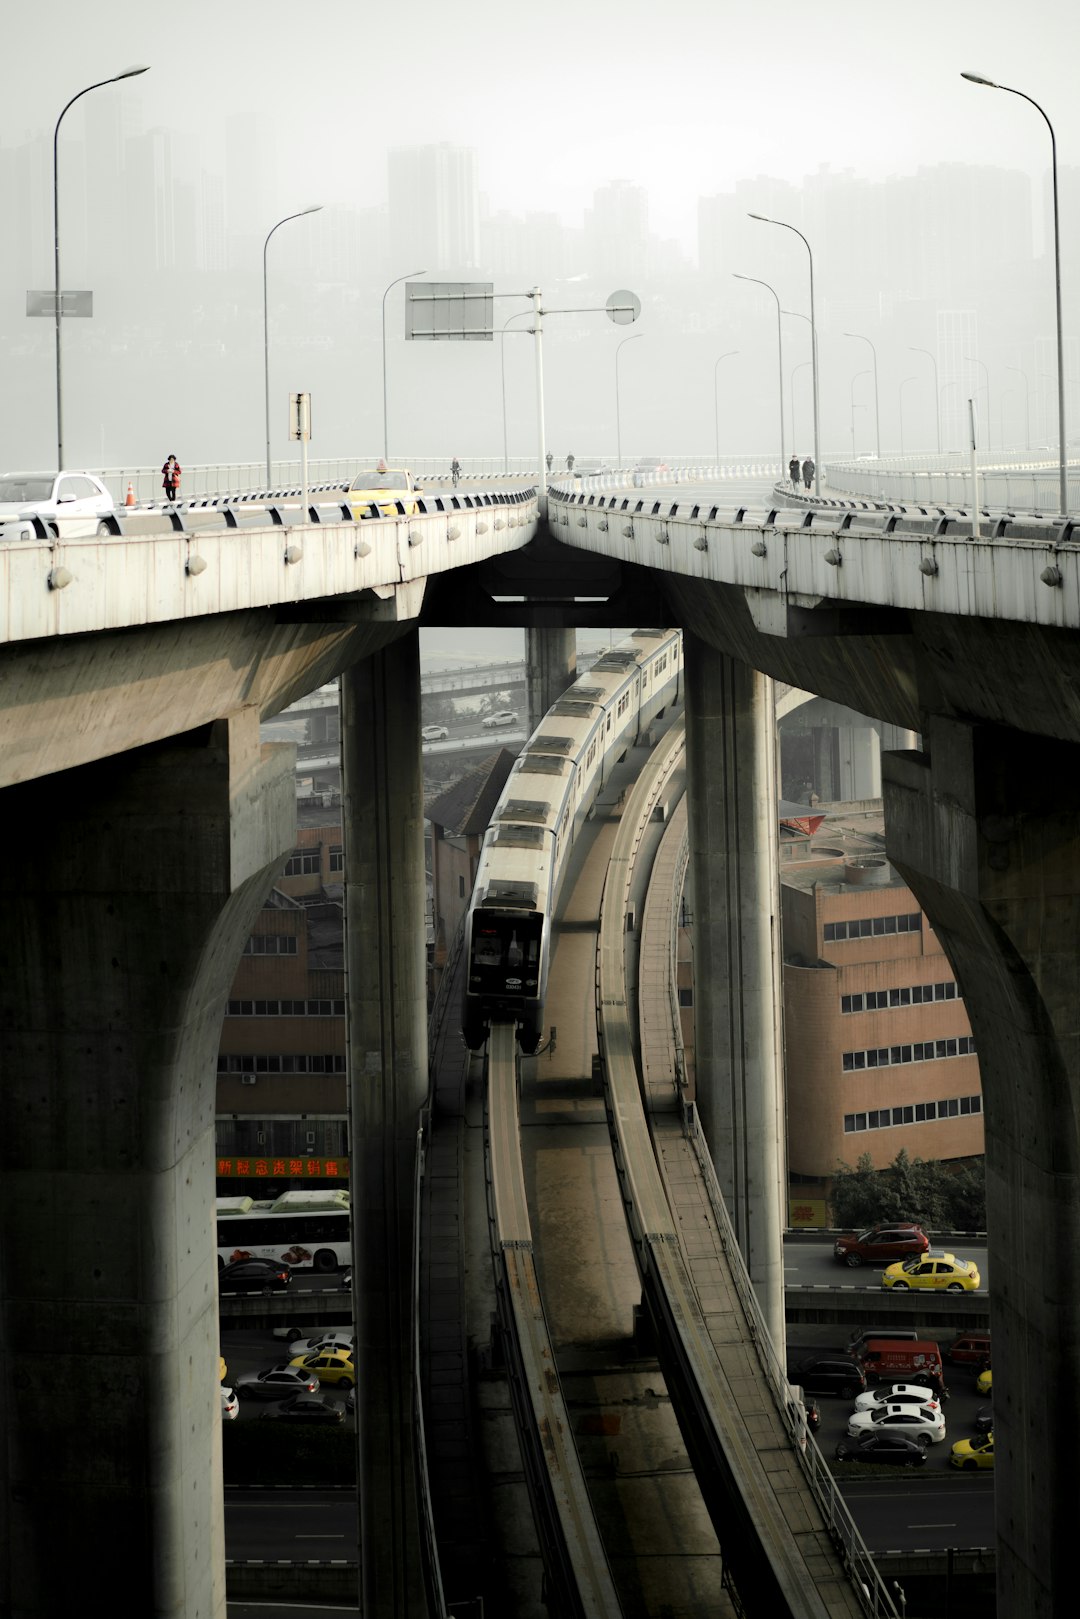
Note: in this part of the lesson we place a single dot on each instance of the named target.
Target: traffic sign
(623, 308)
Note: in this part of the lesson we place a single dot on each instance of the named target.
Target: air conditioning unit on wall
(248, 1079)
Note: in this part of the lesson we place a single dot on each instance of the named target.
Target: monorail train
(548, 794)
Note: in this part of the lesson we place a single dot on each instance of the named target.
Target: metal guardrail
(1019, 489)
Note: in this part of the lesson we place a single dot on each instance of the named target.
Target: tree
(936, 1196)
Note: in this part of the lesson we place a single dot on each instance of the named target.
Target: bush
(935, 1195)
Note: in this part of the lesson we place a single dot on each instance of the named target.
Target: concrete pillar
(826, 782)
(127, 895)
(550, 666)
(730, 727)
(860, 763)
(985, 828)
(387, 1011)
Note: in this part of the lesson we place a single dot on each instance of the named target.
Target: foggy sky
(685, 99)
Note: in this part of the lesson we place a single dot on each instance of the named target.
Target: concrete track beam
(550, 667)
(985, 828)
(129, 893)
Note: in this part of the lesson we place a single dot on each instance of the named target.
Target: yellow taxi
(984, 1383)
(941, 1272)
(389, 489)
(970, 1453)
(223, 1370)
(331, 1366)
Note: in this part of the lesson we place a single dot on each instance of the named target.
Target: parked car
(984, 1419)
(904, 1360)
(434, 733)
(984, 1383)
(864, 1335)
(276, 1382)
(264, 1276)
(230, 1405)
(330, 1366)
(922, 1422)
(972, 1453)
(891, 1449)
(77, 501)
(880, 1245)
(895, 1394)
(939, 1272)
(969, 1349)
(829, 1374)
(503, 716)
(306, 1408)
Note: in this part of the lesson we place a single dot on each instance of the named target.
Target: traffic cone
(130, 501)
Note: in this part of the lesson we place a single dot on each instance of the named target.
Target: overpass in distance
(134, 673)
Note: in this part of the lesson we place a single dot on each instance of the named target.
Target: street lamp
(859, 338)
(716, 397)
(1063, 492)
(1027, 403)
(779, 354)
(854, 380)
(970, 358)
(937, 396)
(802, 365)
(385, 434)
(314, 209)
(527, 332)
(765, 220)
(903, 385)
(618, 420)
(128, 73)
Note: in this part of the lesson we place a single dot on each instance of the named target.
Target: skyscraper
(434, 205)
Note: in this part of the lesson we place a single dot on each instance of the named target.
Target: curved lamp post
(802, 366)
(937, 396)
(970, 358)
(877, 398)
(527, 331)
(716, 397)
(316, 208)
(395, 283)
(618, 419)
(757, 282)
(128, 73)
(1027, 403)
(854, 380)
(903, 385)
(765, 220)
(1063, 491)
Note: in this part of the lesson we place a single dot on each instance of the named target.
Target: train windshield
(505, 952)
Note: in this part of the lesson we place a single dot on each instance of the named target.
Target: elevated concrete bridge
(145, 822)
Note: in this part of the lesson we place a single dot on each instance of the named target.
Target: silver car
(77, 502)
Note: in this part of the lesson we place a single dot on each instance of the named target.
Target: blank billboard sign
(449, 311)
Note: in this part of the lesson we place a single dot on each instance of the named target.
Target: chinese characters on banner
(278, 1168)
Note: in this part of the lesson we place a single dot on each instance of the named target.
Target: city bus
(307, 1230)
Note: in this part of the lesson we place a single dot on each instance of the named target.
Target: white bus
(307, 1230)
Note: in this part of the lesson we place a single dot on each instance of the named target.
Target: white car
(76, 501)
(343, 1338)
(923, 1423)
(433, 733)
(230, 1405)
(896, 1394)
(504, 716)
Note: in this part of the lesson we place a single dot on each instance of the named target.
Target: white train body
(547, 796)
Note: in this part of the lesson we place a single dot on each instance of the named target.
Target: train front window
(504, 948)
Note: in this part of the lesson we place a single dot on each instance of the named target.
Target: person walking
(793, 472)
(569, 463)
(808, 471)
(455, 470)
(549, 458)
(170, 478)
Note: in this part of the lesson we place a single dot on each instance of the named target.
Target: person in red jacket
(170, 478)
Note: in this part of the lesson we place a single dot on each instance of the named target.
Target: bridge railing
(1004, 488)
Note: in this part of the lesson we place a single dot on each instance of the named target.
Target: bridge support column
(985, 827)
(550, 667)
(126, 901)
(387, 1005)
(731, 769)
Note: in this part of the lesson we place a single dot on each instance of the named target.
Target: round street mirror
(623, 307)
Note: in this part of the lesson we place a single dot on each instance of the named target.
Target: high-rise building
(434, 204)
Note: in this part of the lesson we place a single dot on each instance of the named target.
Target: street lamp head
(316, 208)
(131, 73)
(977, 78)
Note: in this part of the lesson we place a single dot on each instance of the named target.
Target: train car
(546, 800)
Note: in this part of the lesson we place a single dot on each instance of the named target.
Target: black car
(829, 1374)
(307, 1408)
(254, 1276)
(890, 1449)
(984, 1419)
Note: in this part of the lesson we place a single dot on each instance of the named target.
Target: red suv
(881, 1245)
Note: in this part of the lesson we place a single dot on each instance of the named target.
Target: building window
(270, 944)
(313, 1008)
(868, 927)
(461, 887)
(304, 863)
(962, 1045)
(879, 1000)
(276, 1063)
(337, 857)
(686, 996)
(921, 1113)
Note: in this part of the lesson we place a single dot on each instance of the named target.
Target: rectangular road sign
(300, 416)
(71, 303)
(449, 311)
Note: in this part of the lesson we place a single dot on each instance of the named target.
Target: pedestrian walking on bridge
(808, 471)
(455, 470)
(569, 463)
(170, 478)
(793, 472)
